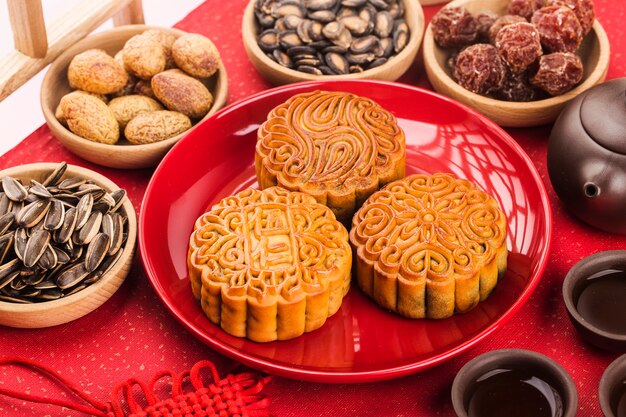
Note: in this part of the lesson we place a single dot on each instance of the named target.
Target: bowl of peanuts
(518, 62)
(122, 98)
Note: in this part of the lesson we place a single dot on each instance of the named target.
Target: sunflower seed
(64, 233)
(14, 299)
(83, 210)
(96, 191)
(6, 244)
(36, 276)
(38, 190)
(32, 213)
(14, 189)
(46, 285)
(62, 256)
(55, 176)
(117, 237)
(17, 285)
(75, 289)
(110, 262)
(49, 258)
(90, 229)
(96, 251)
(7, 276)
(71, 183)
(55, 217)
(71, 275)
(50, 294)
(6, 205)
(35, 247)
(19, 246)
(6, 221)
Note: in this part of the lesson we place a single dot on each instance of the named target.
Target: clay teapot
(587, 156)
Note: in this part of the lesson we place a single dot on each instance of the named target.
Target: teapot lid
(603, 115)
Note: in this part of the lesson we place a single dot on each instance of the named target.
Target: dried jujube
(559, 28)
(485, 21)
(454, 27)
(480, 69)
(517, 87)
(502, 21)
(558, 73)
(525, 8)
(584, 10)
(519, 45)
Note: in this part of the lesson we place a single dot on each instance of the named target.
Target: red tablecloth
(133, 335)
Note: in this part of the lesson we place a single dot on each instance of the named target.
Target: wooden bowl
(594, 52)
(123, 154)
(71, 307)
(393, 69)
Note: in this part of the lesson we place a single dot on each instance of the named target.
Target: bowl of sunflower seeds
(67, 240)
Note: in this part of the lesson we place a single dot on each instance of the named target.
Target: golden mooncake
(269, 265)
(429, 246)
(335, 146)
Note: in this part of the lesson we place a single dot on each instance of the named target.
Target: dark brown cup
(612, 381)
(574, 283)
(514, 359)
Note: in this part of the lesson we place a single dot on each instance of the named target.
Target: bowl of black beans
(305, 40)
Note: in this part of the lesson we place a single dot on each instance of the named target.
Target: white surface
(20, 113)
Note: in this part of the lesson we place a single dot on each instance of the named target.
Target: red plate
(361, 342)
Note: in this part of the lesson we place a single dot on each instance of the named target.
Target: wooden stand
(37, 44)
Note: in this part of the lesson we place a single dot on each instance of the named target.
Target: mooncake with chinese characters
(429, 246)
(336, 146)
(269, 265)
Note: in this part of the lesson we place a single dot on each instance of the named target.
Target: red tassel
(234, 395)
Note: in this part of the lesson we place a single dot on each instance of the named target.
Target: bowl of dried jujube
(122, 98)
(303, 40)
(67, 239)
(516, 61)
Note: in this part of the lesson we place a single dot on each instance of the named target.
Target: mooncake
(429, 246)
(269, 265)
(336, 146)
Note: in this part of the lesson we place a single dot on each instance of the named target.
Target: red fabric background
(133, 335)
